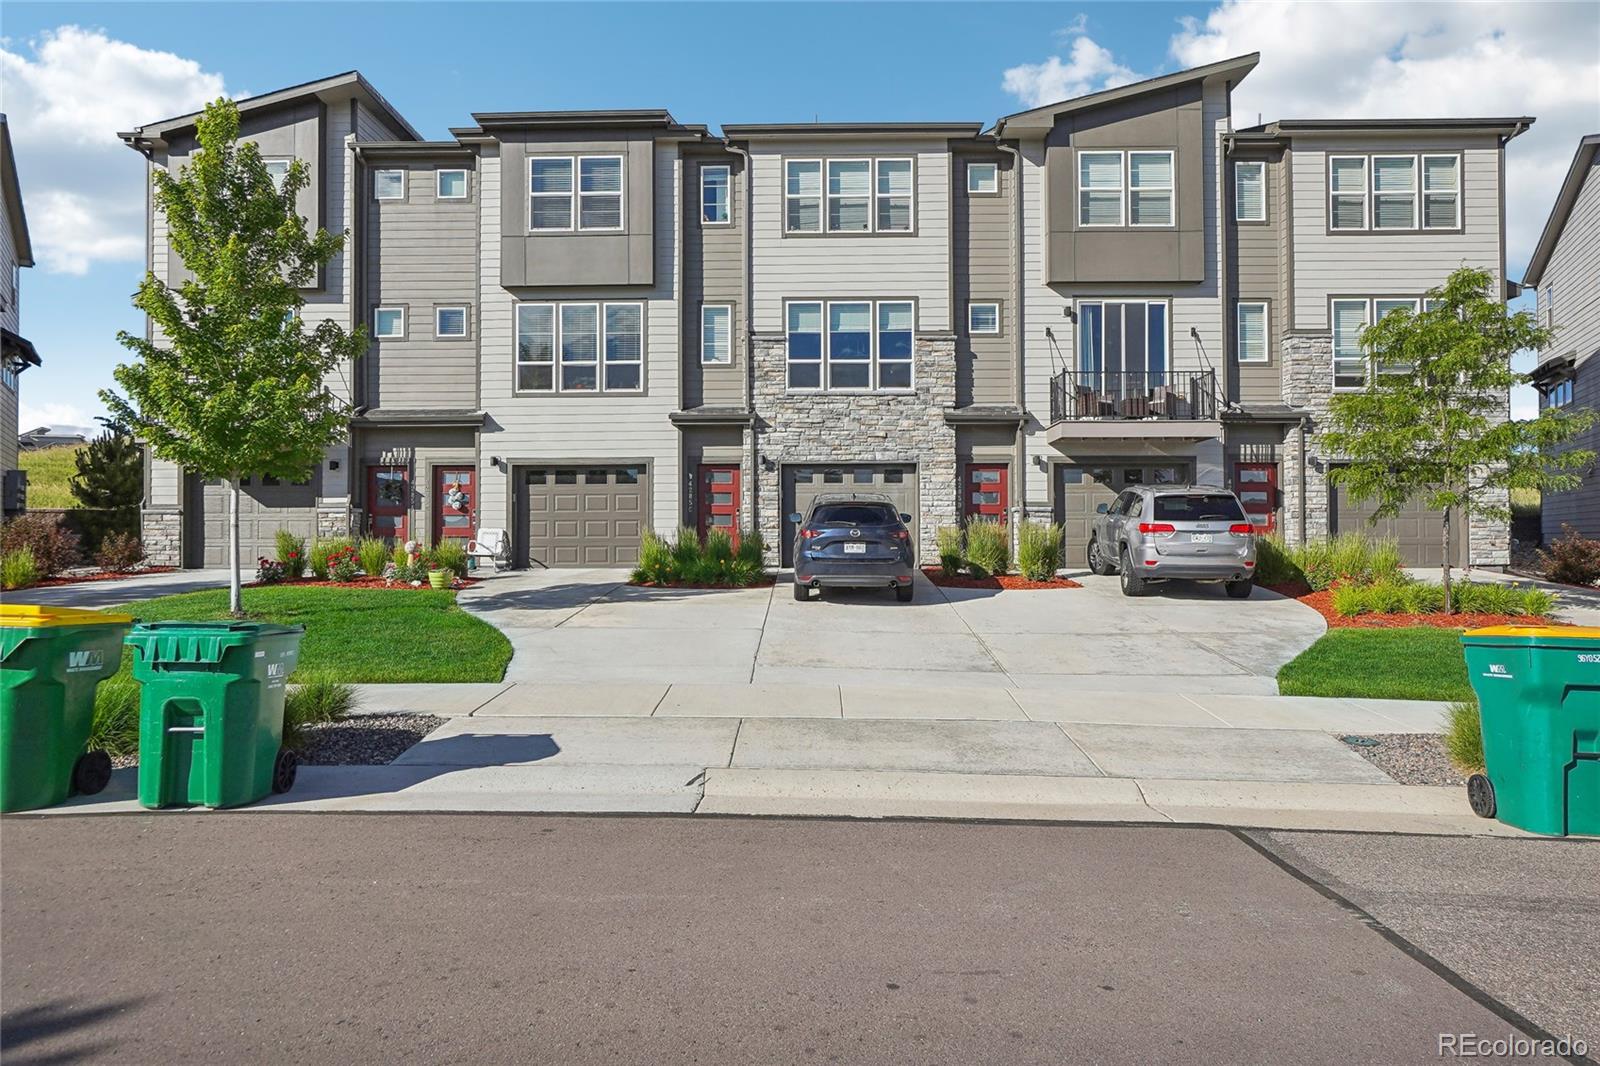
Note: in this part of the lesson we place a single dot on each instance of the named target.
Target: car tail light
(902, 534)
(1158, 529)
(1248, 563)
(807, 534)
(1242, 529)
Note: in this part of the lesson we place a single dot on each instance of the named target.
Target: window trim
(466, 186)
(1171, 188)
(705, 332)
(1266, 332)
(824, 198)
(288, 161)
(1370, 367)
(600, 362)
(824, 361)
(727, 205)
(1365, 194)
(1076, 364)
(1458, 192)
(994, 167)
(517, 362)
(466, 328)
(1414, 194)
(829, 197)
(1121, 190)
(1238, 215)
(621, 194)
(376, 311)
(404, 182)
(821, 195)
(605, 355)
(973, 331)
(571, 196)
(1419, 193)
(878, 195)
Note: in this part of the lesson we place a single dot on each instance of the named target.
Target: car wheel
(1240, 590)
(903, 593)
(1097, 565)
(1132, 583)
(801, 592)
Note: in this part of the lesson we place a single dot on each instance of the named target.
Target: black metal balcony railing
(1132, 395)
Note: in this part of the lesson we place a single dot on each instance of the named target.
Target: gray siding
(420, 449)
(1574, 272)
(983, 224)
(713, 273)
(421, 253)
(1257, 274)
(10, 318)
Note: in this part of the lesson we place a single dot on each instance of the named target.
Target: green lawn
(359, 635)
(1419, 663)
(50, 473)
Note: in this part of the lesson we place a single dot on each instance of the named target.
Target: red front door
(389, 502)
(455, 503)
(719, 500)
(985, 493)
(1256, 485)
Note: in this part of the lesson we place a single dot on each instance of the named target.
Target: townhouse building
(586, 324)
(1565, 274)
(17, 353)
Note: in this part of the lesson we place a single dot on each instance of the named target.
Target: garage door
(265, 506)
(1416, 529)
(802, 484)
(583, 515)
(1080, 488)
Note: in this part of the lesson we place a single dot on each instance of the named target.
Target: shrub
(686, 553)
(1463, 737)
(1349, 557)
(951, 554)
(119, 553)
(449, 555)
(688, 561)
(656, 560)
(1423, 597)
(1572, 558)
(115, 729)
(269, 571)
(1539, 602)
(1039, 548)
(1350, 600)
(54, 546)
(343, 563)
(988, 548)
(399, 556)
(291, 551)
(314, 702)
(751, 552)
(1387, 596)
(18, 569)
(406, 573)
(321, 550)
(1275, 563)
(1486, 597)
(374, 556)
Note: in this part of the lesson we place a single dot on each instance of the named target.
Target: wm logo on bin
(79, 661)
(274, 670)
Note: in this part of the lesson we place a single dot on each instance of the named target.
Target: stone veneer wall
(336, 518)
(1308, 384)
(823, 427)
(161, 532)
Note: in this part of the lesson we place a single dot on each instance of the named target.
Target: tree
(109, 483)
(231, 383)
(1432, 422)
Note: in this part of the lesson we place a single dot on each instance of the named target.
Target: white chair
(492, 546)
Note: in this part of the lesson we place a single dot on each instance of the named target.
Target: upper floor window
(716, 334)
(1350, 317)
(983, 318)
(593, 201)
(389, 322)
(1126, 188)
(848, 195)
(388, 185)
(278, 171)
(1394, 192)
(1549, 306)
(1122, 344)
(715, 183)
(450, 184)
(1441, 192)
(1253, 332)
(449, 322)
(1150, 188)
(1099, 188)
(580, 347)
(1559, 394)
(983, 178)
(850, 345)
(1250, 191)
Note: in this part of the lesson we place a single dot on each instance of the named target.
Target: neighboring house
(1565, 273)
(45, 437)
(586, 324)
(16, 352)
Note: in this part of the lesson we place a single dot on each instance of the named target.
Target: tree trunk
(235, 595)
(1445, 564)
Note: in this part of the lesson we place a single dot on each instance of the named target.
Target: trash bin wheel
(91, 773)
(284, 770)
(1480, 796)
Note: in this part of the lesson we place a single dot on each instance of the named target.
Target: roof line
(1241, 63)
(1561, 210)
(276, 96)
(22, 243)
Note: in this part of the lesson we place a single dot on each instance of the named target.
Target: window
(450, 184)
(853, 345)
(1559, 394)
(1122, 345)
(983, 179)
(716, 334)
(1350, 317)
(983, 318)
(714, 185)
(536, 347)
(1381, 308)
(450, 322)
(1347, 192)
(1394, 192)
(802, 196)
(849, 195)
(389, 322)
(894, 196)
(1150, 189)
(624, 347)
(1099, 188)
(1250, 192)
(1549, 306)
(600, 192)
(1441, 192)
(1253, 332)
(549, 194)
(597, 347)
(389, 184)
(278, 171)
(580, 347)
(595, 204)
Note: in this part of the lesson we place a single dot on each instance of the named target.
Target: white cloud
(1088, 68)
(84, 189)
(58, 417)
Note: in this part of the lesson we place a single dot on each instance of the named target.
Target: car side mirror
(905, 518)
(797, 518)
(1102, 508)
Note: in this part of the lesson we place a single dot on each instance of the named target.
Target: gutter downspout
(1305, 479)
(1224, 274)
(747, 252)
(1019, 457)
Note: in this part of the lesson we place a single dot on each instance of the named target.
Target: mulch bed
(1322, 603)
(369, 583)
(99, 575)
(1000, 581)
(765, 582)
(1410, 758)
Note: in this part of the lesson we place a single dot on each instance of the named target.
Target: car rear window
(855, 514)
(1198, 507)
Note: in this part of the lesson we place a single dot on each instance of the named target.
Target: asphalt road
(487, 939)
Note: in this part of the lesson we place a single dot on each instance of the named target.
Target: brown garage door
(802, 484)
(1416, 529)
(1080, 488)
(265, 506)
(583, 515)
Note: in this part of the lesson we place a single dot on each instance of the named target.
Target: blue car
(853, 540)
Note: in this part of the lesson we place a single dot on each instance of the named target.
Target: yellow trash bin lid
(33, 616)
(1536, 633)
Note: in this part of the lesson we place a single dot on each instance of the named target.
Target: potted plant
(440, 579)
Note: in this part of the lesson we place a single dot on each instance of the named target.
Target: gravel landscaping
(367, 740)
(1410, 758)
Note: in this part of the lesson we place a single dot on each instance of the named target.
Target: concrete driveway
(98, 594)
(589, 625)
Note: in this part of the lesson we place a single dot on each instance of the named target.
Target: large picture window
(583, 193)
(1394, 192)
(1122, 345)
(850, 345)
(1350, 317)
(580, 347)
(849, 195)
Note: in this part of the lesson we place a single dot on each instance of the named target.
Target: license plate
(855, 549)
(1200, 538)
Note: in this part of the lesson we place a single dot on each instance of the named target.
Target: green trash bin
(1539, 700)
(211, 711)
(52, 660)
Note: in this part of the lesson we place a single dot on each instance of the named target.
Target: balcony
(1086, 404)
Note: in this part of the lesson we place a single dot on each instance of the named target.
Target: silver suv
(1155, 533)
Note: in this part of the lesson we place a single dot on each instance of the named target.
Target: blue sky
(712, 63)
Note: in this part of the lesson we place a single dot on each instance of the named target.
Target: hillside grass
(50, 473)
